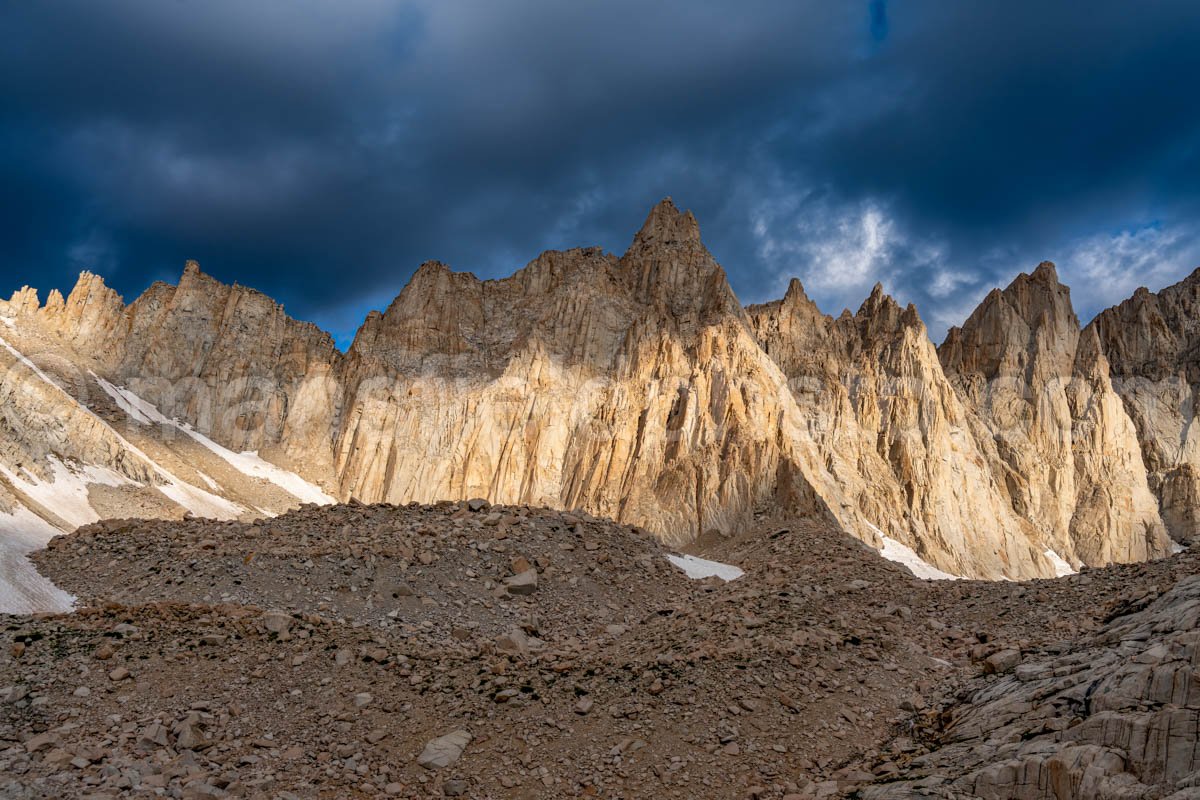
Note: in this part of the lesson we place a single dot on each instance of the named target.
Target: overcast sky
(321, 151)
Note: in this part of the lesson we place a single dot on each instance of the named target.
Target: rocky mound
(450, 571)
(819, 673)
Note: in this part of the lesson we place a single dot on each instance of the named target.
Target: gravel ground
(500, 652)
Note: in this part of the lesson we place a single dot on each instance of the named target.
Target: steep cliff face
(1071, 458)
(629, 387)
(1152, 343)
(227, 359)
(882, 412)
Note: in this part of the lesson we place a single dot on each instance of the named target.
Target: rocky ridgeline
(635, 387)
(825, 671)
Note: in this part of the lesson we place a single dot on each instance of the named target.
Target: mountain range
(637, 388)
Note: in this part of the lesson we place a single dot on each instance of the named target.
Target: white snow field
(1061, 567)
(23, 590)
(197, 501)
(66, 494)
(698, 568)
(248, 463)
(893, 550)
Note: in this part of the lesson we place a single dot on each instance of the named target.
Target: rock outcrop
(225, 358)
(629, 387)
(1115, 716)
(886, 419)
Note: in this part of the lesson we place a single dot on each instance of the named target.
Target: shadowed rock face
(638, 388)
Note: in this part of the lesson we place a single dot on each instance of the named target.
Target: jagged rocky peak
(1045, 272)
(667, 226)
(888, 424)
(566, 302)
(1040, 294)
(1072, 459)
(638, 388)
(579, 305)
(877, 297)
(795, 296)
(792, 330)
(187, 330)
(432, 291)
(669, 267)
(54, 303)
(197, 350)
(795, 332)
(88, 284)
(1154, 335)
(880, 315)
(1028, 327)
(1151, 342)
(194, 280)
(439, 311)
(24, 301)
(92, 316)
(795, 302)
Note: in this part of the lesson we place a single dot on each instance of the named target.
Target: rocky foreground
(512, 652)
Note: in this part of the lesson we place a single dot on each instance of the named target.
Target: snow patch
(900, 553)
(216, 487)
(1176, 547)
(66, 494)
(698, 568)
(201, 503)
(198, 501)
(24, 590)
(9, 321)
(1061, 567)
(119, 398)
(248, 463)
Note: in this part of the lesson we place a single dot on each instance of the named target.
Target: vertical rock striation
(898, 437)
(1152, 343)
(1068, 451)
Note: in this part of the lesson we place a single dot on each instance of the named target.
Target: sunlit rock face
(1069, 450)
(638, 388)
(905, 449)
(1152, 343)
(631, 387)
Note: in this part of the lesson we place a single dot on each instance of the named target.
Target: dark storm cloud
(879, 21)
(321, 151)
